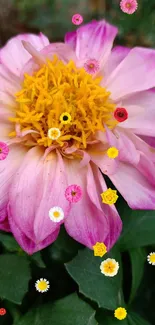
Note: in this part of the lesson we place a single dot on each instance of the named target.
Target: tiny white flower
(151, 258)
(56, 214)
(42, 285)
(54, 133)
(109, 267)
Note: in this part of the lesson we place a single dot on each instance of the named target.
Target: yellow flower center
(128, 5)
(99, 249)
(152, 258)
(112, 152)
(56, 214)
(109, 267)
(62, 96)
(120, 313)
(42, 285)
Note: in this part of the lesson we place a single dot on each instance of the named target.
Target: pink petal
(93, 40)
(9, 83)
(70, 39)
(27, 243)
(134, 187)
(108, 166)
(143, 146)
(63, 51)
(14, 56)
(117, 55)
(5, 129)
(129, 76)
(147, 168)
(90, 220)
(127, 149)
(38, 186)
(141, 113)
(141, 125)
(8, 168)
(149, 140)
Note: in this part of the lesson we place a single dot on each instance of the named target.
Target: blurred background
(53, 17)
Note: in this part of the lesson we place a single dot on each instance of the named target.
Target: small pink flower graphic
(129, 6)
(91, 66)
(73, 193)
(4, 150)
(77, 19)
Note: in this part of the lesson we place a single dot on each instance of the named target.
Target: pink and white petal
(9, 83)
(144, 99)
(127, 150)
(141, 125)
(117, 55)
(134, 187)
(5, 129)
(138, 63)
(38, 41)
(147, 168)
(14, 56)
(143, 146)
(7, 105)
(108, 166)
(141, 114)
(115, 223)
(8, 168)
(27, 244)
(54, 182)
(149, 140)
(63, 51)
(87, 221)
(37, 187)
(70, 39)
(94, 40)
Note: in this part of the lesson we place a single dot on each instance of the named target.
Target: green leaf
(69, 310)
(37, 259)
(14, 277)
(138, 228)
(9, 242)
(64, 248)
(85, 270)
(135, 319)
(113, 321)
(138, 259)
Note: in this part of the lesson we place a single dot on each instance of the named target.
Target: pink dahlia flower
(129, 6)
(64, 126)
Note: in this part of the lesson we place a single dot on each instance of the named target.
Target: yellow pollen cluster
(99, 249)
(65, 97)
(109, 196)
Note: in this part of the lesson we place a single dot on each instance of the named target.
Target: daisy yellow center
(112, 152)
(109, 267)
(152, 258)
(120, 313)
(62, 96)
(56, 214)
(42, 285)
